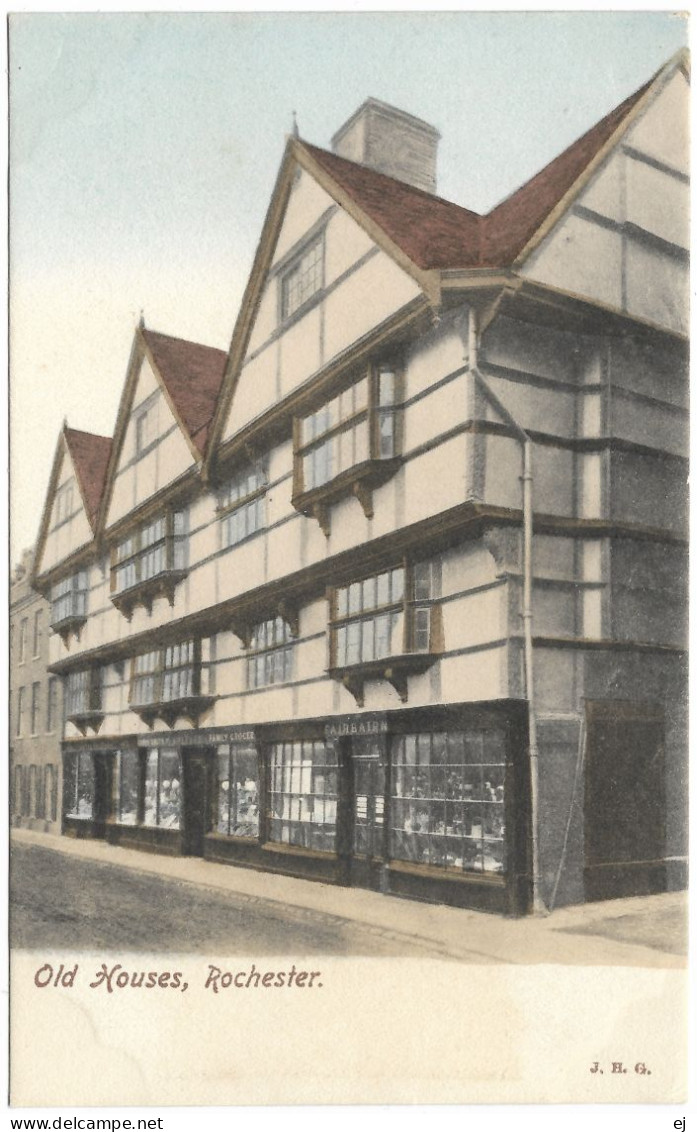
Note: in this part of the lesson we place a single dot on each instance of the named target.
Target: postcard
(349, 385)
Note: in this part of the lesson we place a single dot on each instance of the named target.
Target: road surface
(58, 901)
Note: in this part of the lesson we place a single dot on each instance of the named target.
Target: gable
(360, 287)
(67, 527)
(623, 242)
(153, 451)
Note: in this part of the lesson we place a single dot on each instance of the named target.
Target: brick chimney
(390, 141)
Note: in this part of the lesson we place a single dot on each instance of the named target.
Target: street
(58, 901)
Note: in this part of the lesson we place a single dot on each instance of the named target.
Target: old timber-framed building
(392, 594)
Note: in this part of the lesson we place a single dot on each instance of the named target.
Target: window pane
(303, 795)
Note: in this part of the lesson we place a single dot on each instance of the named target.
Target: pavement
(643, 931)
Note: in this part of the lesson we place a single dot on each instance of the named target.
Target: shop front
(426, 803)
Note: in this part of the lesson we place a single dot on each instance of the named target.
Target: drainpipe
(526, 444)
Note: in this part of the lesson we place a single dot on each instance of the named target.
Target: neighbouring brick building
(393, 593)
(36, 709)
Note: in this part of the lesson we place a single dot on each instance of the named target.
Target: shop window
(69, 605)
(270, 659)
(388, 617)
(303, 795)
(347, 446)
(303, 279)
(171, 682)
(162, 789)
(447, 805)
(84, 699)
(78, 773)
(237, 810)
(150, 562)
(242, 504)
(127, 787)
(35, 706)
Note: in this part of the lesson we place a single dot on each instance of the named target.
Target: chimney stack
(390, 141)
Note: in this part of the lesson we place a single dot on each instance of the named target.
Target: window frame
(234, 754)
(19, 723)
(395, 667)
(267, 653)
(89, 712)
(23, 639)
(191, 705)
(168, 541)
(255, 472)
(35, 707)
(75, 597)
(52, 704)
(37, 635)
(287, 313)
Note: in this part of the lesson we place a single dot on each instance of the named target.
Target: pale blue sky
(144, 149)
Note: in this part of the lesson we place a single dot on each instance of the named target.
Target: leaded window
(158, 547)
(84, 692)
(270, 657)
(237, 809)
(303, 279)
(447, 804)
(79, 784)
(242, 503)
(386, 614)
(303, 795)
(168, 674)
(162, 789)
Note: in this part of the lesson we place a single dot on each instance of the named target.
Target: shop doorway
(196, 801)
(367, 825)
(625, 800)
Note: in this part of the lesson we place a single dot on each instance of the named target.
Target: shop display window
(128, 780)
(303, 794)
(162, 789)
(447, 807)
(238, 790)
(79, 785)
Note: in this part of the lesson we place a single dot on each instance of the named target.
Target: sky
(144, 149)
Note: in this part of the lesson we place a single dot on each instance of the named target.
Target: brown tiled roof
(509, 226)
(90, 455)
(193, 375)
(435, 233)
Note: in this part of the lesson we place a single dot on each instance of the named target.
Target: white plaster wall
(74, 532)
(439, 353)
(663, 130)
(582, 258)
(657, 287)
(365, 299)
(307, 202)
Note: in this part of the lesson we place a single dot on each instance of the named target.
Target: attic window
(64, 504)
(303, 278)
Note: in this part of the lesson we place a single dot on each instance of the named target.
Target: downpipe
(524, 440)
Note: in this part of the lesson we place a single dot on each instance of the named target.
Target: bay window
(303, 794)
(242, 504)
(270, 657)
(150, 561)
(390, 617)
(348, 444)
(171, 681)
(69, 604)
(84, 699)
